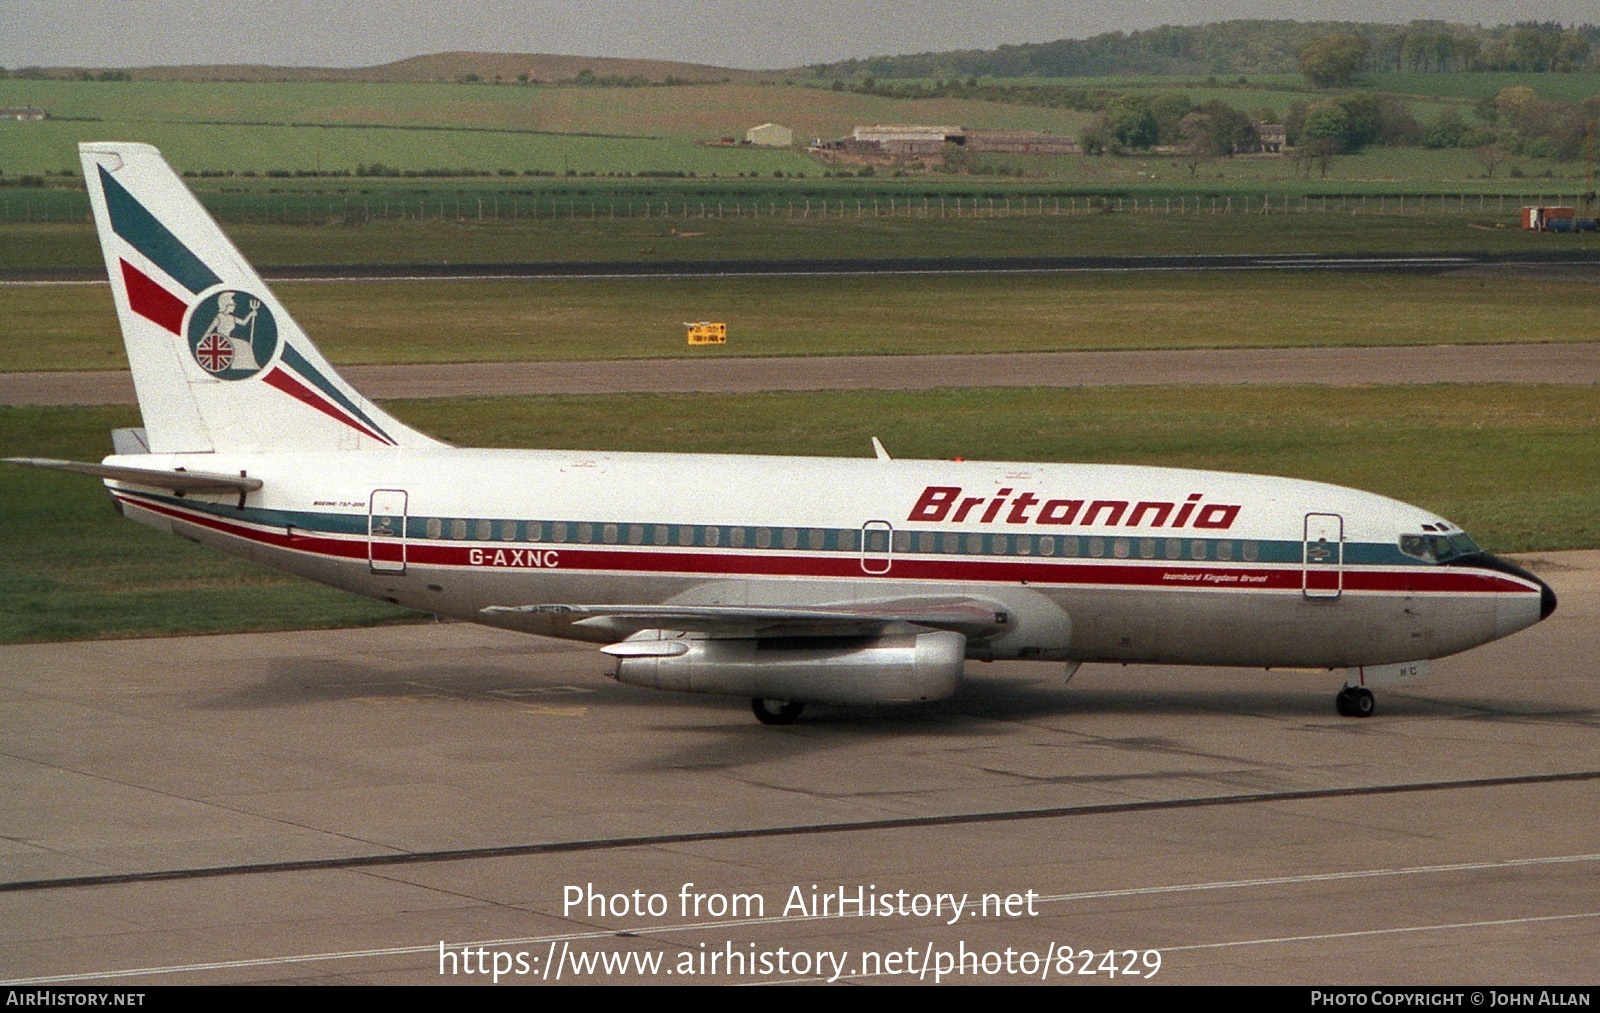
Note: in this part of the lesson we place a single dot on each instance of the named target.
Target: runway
(332, 806)
(1567, 363)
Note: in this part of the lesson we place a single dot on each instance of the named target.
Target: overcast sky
(756, 34)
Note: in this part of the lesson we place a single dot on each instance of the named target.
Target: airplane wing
(970, 616)
(176, 479)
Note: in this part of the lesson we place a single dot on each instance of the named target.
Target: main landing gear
(775, 712)
(1355, 702)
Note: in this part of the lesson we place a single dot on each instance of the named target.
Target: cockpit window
(1438, 548)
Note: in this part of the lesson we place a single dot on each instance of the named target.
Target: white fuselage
(1091, 562)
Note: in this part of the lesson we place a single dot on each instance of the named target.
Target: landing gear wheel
(775, 712)
(1355, 702)
(1362, 703)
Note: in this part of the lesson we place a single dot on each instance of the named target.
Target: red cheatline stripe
(151, 301)
(1440, 580)
(294, 388)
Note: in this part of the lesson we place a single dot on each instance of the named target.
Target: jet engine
(885, 669)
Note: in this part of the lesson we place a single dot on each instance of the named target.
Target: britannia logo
(232, 335)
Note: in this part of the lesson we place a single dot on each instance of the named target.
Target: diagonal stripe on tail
(151, 301)
(139, 227)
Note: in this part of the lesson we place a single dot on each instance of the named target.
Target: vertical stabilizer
(218, 364)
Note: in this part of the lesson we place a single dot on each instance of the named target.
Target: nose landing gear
(1355, 702)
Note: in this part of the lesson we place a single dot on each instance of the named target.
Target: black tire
(1362, 703)
(1342, 704)
(775, 712)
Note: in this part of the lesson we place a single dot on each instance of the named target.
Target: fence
(47, 205)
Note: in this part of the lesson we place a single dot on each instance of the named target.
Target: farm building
(1019, 142)
(769, 135)
(930, 140)
(1274, 138)
(906, 140)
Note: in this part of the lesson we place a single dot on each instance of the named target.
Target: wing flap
(176, 479)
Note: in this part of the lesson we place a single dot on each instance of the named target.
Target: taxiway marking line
(656, 930)
(809, 829)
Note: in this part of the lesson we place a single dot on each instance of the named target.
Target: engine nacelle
(890, 669)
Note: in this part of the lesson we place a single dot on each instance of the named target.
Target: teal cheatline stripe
(139, 227)
(299, 364)
(319, 523)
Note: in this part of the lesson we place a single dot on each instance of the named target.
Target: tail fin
(218, 364)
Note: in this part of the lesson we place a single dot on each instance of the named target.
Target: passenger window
(1097, 547)
(635, 534)
(902, 541)
(999, 544)
(736, 538)
(949, 542)
(713, 535)
(791, 538)
(974, 543)
(924, 541)
(435, 527)
(1197, 549)
(508, 531)
(763, 538)
(458, 528)
(1047, 545)
(1119, 548)
(847, 540)
(659, 534)
(558, 531)
(1024, 545)
(1174, 548)
(585, 532)
(1147, 548)
(535, 531)
(1252, 551)
(686, 535)
(816, 538)
(484, 530)
(1069, 545)
(1224, 550)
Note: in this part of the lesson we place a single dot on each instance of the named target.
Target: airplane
(786, 580)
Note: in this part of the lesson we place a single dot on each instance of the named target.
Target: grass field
(69, 568)
(689, 112)
(51, 146)
(260, 126)
(27, 245)
(1485, 84)
(74, 327)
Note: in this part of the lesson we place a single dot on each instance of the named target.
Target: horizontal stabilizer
(970, 616)
(125, 442)
(176, 479)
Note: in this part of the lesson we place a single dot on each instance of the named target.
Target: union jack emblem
(215, 353)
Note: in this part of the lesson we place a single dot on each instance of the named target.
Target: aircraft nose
(1547, 600)
(1516, 613)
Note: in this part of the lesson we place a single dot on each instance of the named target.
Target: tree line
(1251, 47)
